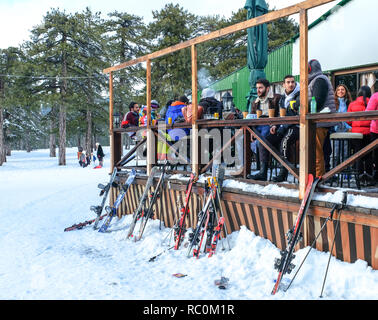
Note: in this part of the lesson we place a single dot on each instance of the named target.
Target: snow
(40, 261)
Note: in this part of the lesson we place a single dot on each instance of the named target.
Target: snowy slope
(38, 199)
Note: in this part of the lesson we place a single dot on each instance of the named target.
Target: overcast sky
(17, 17)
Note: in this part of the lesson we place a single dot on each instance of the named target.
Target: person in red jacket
(362, 126)
(373, 106)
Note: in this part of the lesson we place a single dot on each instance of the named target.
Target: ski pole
(154, 257)
(330, 255)
(335, 207)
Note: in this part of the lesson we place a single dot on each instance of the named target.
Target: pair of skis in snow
(208, 222)
(110, 211)
(284, 263)
(145, 211)
(98, 209)
(210, 219)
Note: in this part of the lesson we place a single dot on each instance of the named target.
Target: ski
(81, 225)
(97, 209)
(338, 207)
(216, 236)
(283, 264)
(142, 203)
(179, 229)
(112, 211)
(104, 193)
(198, 234)
(149, 212)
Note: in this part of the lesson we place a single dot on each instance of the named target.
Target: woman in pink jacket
(373, 106)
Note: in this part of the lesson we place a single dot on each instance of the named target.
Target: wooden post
(247, 155)
(111, 134)
(195, 138)
(307, 127)
(304, 128)
(150, 135)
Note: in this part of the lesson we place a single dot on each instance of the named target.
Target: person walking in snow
(100, 155)
(82, 159)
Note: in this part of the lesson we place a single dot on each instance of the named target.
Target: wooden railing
(307, 122)
(247, 128)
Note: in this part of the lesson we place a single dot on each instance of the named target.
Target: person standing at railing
(266, 99)
(373, 106)
(321, 88)
(362, 126)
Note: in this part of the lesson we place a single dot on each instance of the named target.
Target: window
(354, 81)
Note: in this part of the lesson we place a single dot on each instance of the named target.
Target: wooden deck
(271, 217)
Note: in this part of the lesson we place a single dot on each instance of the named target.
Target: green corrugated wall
(279, 65)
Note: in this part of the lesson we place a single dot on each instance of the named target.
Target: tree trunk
(62, 114)
(52, 140)
(2, 145)
(62, 135)
(88, 140)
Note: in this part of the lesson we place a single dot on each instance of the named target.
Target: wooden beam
(247, 154)
(164, 140)
(218, 154)
(274, 153)
(111, 134)
(370, 147)
(304, 125)
(194, 132)
(271, 16)
(150, 137)
(345, 116)
(131, 152)
(111, 103)
(194, 85)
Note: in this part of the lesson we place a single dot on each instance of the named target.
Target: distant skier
(100, 155)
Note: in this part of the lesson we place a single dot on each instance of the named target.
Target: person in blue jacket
(174, 112)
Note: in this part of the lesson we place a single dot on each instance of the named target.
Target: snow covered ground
(38, 199)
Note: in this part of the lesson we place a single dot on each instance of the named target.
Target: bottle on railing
(313, 105)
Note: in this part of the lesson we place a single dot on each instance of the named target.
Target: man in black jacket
(286, 134)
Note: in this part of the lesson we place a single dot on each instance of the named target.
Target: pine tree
(125, 42)
(171, 74)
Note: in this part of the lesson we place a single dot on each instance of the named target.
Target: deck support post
(194, 134)
(150, 136)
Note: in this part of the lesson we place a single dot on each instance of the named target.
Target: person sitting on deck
(362, 126)
(342, 100)
(187, 111)
(174, 115)
(209, 104)
(321, 88)
(266, 100)
(286, 135)
(132, 117)
(373, 106)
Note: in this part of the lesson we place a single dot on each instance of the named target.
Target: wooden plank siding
(357, 237)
